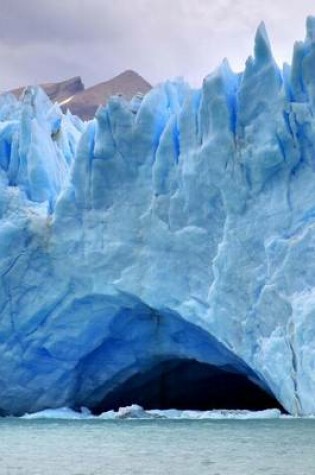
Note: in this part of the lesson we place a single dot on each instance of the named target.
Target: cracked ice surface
(183, 214)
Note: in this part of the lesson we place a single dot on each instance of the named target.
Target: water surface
(159, 447)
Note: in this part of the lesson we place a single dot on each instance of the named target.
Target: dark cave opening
(188, 384)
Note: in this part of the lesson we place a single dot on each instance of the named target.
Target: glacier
(178, 226)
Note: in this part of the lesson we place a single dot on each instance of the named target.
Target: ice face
(180, 225)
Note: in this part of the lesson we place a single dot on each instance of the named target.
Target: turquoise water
(159, 447)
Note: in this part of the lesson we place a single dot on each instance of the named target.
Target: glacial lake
(159, 447)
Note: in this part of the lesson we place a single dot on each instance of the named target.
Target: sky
(52, 40)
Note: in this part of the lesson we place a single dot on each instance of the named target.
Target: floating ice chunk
(137, 412)
(61, 413)
(134, 412)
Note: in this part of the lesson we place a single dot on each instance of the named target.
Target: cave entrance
(188, 384)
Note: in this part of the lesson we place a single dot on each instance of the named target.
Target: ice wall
(183, 213)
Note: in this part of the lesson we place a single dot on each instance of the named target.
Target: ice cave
(188, 385)
(175, 365)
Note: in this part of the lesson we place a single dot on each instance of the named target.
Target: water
(159, 447)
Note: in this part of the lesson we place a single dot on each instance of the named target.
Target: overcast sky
(51, 40)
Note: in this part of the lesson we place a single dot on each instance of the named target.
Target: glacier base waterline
(180, 225)
(136, 412)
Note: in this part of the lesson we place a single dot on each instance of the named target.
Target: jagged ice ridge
(179, 225)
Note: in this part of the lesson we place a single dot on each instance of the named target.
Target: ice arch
(159, 360)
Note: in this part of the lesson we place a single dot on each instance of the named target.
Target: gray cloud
(50, 40)
(57, 21)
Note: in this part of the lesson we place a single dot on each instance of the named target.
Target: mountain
(85, 103)
(82, 102)
(163, 253)
(58, 92)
